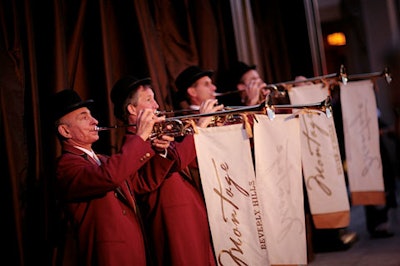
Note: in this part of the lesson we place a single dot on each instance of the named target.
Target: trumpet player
(94, 190)
(174, 213)
(195, 86)
(246, 80)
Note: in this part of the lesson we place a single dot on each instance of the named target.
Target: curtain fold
(13, 135)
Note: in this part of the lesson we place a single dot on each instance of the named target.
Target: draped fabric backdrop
(86, 46)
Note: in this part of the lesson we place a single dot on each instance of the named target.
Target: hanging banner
(361, 139)
(280, 188)
(310, 93)
(322, 164)
(229, 186)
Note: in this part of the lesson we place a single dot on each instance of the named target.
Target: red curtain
(87, 46)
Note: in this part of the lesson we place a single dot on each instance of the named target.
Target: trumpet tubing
(223, 120)
(173, 128)
(219, 94)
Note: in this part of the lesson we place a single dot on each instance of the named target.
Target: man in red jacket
(98, 191)
(174, 214)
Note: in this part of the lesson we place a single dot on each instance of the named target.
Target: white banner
(280, 188)
(228, 180)
(321, 160)
(305, 94)
(361, 135)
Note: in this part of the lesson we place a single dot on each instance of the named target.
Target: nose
(94, 120)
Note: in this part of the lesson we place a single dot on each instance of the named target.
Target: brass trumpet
(183, 125)
(171, 127)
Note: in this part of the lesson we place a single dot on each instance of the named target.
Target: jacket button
(148, 155)
(115, 194)
(124, 212)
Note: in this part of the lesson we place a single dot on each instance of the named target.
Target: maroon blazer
(176, 215)
(99, 202)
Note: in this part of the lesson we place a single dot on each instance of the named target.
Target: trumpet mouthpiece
(160, 113)
(97, 128)
(217, 94)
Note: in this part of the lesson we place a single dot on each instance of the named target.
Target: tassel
(193, 125)
(247, 125)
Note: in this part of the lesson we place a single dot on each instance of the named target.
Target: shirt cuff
(164, 154)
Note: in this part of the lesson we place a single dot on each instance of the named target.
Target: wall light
(337, 39)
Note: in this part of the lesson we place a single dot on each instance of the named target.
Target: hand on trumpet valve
(255, 90)
(162, 142)
(146, 120)
(208, 106)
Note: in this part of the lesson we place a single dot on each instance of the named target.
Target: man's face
(146, 99)
(203, 89)
(252, 78)
(249, 77)
(78, 127)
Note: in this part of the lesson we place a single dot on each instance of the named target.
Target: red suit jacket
(176, 217)
(99, 203)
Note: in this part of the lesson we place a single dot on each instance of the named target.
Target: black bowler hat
(189, 76)
(66, 101)
(237, 70)
(121, 90)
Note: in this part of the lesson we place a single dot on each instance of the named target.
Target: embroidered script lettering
(335, 147)
(286, 220)
(233, 254)
(257, 215)
(362, 122)
(312, 132)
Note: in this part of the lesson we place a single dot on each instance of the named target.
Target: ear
(64, 131)
(191, 91)
(131, 109)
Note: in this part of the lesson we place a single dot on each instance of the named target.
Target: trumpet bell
(324, 106)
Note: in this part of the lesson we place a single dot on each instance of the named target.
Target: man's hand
(145, 123)
(162, 142)
(208, 106)
(254, 89)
